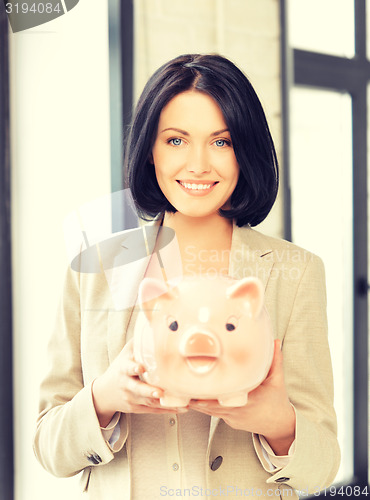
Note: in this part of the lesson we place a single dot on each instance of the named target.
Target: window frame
(352, 75)
(6, 344)
(121, 62)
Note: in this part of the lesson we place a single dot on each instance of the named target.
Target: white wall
(60, 159)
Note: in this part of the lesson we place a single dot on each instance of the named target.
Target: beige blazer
(89, 333)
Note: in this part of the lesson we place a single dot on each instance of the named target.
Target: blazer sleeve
(68, 436)
(309, 381)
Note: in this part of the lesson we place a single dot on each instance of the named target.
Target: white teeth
(195, 186)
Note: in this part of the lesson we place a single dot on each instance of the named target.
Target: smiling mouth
(197, 186)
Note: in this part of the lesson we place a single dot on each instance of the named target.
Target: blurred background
(67, 89)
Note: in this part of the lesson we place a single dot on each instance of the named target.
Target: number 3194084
(34, 8)
(345, 491)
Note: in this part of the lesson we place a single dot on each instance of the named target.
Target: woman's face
(193, 155)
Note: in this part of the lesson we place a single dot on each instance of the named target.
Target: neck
(204, 230)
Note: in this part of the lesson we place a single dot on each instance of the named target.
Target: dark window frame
(6, 328)
(121, 62)
(316, 70)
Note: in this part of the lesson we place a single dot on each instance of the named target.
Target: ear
(251, 290)
(150, 290)
(150, 158)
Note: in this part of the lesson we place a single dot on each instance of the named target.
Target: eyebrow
(183, 132)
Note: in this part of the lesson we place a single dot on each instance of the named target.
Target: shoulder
(276, 249)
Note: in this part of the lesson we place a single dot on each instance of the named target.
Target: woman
(200, 158)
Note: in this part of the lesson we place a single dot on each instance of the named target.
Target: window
(6, 389)
(326, 177)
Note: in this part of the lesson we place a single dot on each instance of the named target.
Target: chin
(199, 211)
(199, 214)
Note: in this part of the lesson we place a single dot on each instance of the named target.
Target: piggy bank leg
(173, 401)
(240, 399)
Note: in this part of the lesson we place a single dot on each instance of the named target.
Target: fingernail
(155, 394)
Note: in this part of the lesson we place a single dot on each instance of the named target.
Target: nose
(198, 161)
(200, 344)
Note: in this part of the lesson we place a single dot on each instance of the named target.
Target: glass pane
(368, 232)
(321, 187)
(319, 26)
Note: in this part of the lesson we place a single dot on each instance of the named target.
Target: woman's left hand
(268, 411)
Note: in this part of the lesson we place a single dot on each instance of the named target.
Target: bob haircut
(257, 186)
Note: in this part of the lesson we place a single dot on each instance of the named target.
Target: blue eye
(175, 142)
(221, 142)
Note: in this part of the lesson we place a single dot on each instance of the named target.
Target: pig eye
(172, 324)
(231, 324)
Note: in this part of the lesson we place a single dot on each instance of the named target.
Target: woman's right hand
(120, 389)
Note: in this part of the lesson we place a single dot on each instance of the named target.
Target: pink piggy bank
(206, 338)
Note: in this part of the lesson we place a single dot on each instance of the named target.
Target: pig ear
(251, 290)
(149, 291)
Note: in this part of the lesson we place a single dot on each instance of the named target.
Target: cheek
(237, 349)
(170, 348)
(239, 356)
(165, 168)
(164, 156)
(235, 170)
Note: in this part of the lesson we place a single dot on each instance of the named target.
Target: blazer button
(216, 463)
(282, 479)
(94, 459)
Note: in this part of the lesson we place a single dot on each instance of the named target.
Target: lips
(197, 187)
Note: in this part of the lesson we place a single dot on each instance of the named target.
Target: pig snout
(200, 344)
(201, 351)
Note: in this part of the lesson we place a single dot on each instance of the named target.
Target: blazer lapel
(129, 262)
(249, 256)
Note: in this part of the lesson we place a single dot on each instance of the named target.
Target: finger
(276, 369)
(134, 369)
(212, 412)
(204, 403)
(158, 411)
(210, 406)
(128, 349)
(155, 403)
(143, 390)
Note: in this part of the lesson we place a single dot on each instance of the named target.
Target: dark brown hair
(257, 186)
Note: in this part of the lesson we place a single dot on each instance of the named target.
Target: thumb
(276, 369)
